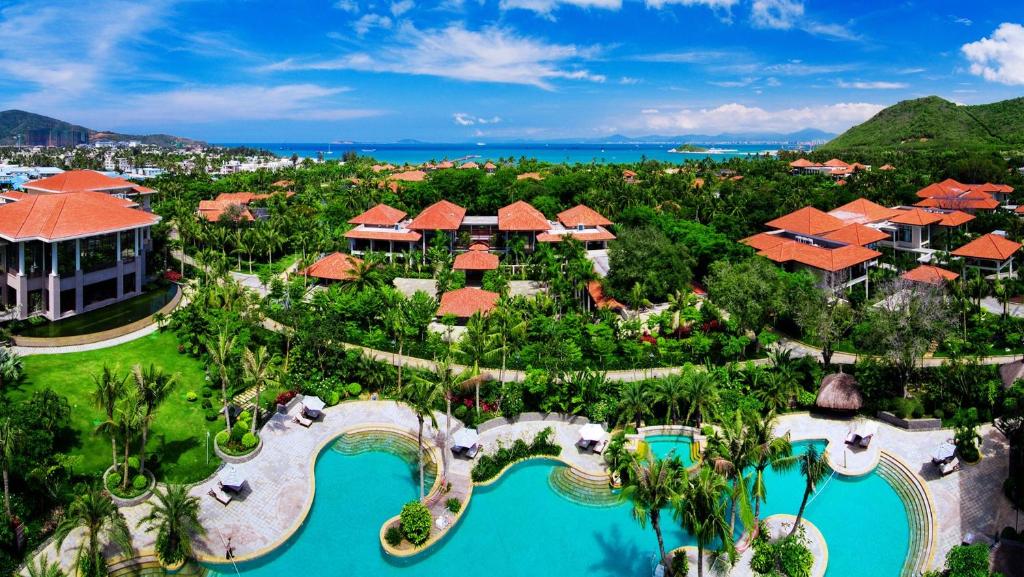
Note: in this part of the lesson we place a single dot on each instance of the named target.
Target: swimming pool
(520, 527)
(662, 445)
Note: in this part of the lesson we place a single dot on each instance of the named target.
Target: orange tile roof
(765, 240)
(283, 183)
(50, 217)
(807, 220)
(596, 292)
(857, 234)
(83, 180)
(988, 247)
(628, 173)
(863, 211)
(382, 167)
(916, 217)
(836, 163)
(383, 234)
(801, 163)
(584, 215)
(887, 167)
(335, 266)
(930, 274)
(521, 216)
(409, 176)
(465, 302)
(476, 260)
(956, 195)
(380, 215)
(441, 215)
(490, 165)
(212, 210)
(247, 197)
(953, 203)
(592, 235)
(529, 176)
(955, 218)
(470, 164)
(825, 259)
(445, 164)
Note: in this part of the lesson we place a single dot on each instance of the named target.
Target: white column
(53, 258)
(117, 245)
(136, 236)
(21, 259)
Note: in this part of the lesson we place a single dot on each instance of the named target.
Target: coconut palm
(448, 382)
(364, 274)
(109, 389)
(634, 402)
(43, 567)
(671, 392)
(128, 419)
(175, 518)
(653, 484)
(813, 467)
(767, 450)
(701, 393)
(259, 370)
(510, 328)
(682, 305)
(154, 386)
(100, 519)
(475, 347)
(9, 438)
(422, 395)
(220, 353)
(730, 452)
(701, 511)
(10, 366)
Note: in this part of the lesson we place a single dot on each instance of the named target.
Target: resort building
(835, 168)
(582, 223)
(442, 216)
(599, 300)
(68, 252)
(475, 262)
(381, 228)
(992, 253)
(522, 219)
(466, 302)
(334, 267)
(932, 275)
(950, 194)
(235, 206)
(92, 181)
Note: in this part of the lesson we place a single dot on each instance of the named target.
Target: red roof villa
(73, 243)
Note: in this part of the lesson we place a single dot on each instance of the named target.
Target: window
(903, 234)
(98, 252)
(127, 245)
(101, 291)
(35, 259)
(67, 301)
(128, 283)
(66, 258)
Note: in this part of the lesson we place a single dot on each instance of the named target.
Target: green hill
(20, 127)
(933, 122)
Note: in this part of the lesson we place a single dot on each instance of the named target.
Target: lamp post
(207, 447)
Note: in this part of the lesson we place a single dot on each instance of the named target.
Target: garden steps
(919, 512)
(149, 566)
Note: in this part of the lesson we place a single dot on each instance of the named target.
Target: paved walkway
(26, 351)
(800, 349)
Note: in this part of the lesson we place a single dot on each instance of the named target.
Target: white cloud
(872, 85)
(911, 70)
(368, 22)
(464, 119)
(715, 4)
(961, 20)
(685, 57)
(790, 14)
(546, 7)
(741, 118)
(628, 80)
(491, 54)
(649, 111)
(999, 58)
(401, 7)
(739, 83)
(350, 6)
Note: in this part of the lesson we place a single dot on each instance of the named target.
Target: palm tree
(637, 298)
(730, 453)
(475, 347)
(175, 518)
(421, 396)
(10, 366)
(154, 387)
(681, 305)
(220, 351)
(448, 383)
(702, 393)
(670, 391)
(814, 467)
(9, 438)
(42, 567)
(396, 322)
(701, 511)
(653, 484)
(510, 328)
(100, 519)
(767, 451)
(258, 368)
(364, 274)
(109, 389)
(128, 418)
(634, 402)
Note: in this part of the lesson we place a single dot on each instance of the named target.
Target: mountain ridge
(31, 129)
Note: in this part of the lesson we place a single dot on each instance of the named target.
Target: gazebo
(839, 392)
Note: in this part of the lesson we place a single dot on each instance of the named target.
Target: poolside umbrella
(944, 452)
(465, 438)
(231, 477)
(313, 404)
(592, 432)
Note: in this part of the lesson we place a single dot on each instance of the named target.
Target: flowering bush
(172, 275)
(285, 397)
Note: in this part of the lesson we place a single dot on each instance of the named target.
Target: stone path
(800, 349)
(778, 527)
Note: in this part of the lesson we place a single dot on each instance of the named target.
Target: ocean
(415, 153)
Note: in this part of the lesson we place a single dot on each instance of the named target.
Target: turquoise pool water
(662, 445)
(520, 527)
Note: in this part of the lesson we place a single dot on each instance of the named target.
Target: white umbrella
(313, 404)
(592, 432)
(231, 477)
(465, 438)
(944, 452)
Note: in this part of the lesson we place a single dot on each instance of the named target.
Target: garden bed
(136, 492)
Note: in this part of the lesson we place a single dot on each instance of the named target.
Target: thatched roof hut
(1010, 373)
(839, 392)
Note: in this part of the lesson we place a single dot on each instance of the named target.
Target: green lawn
(178, 437)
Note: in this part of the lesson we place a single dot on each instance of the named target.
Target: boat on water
(705, 151)
(369, 150)
(481, 144)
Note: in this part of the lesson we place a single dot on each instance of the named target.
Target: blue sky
(460, 70)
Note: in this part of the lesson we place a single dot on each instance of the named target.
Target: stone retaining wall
(529, 417)
(101, 335)
(910, 424)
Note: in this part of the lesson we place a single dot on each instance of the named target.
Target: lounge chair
(851, 438)
(583, 444)
(950, 466)
(302, 421)
(472, 451)
(221, 497)
(600, 446)
(865, 441)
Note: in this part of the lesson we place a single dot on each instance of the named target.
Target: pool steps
(149, 566)
(583, 489)
(920, 512)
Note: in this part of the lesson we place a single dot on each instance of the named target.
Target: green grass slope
(933, 122)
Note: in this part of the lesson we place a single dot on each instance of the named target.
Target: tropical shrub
(967, 561)
(415, 521)
(453, 505)
(680, 564)
(965, 435)
(354, 389)
(191, 396)
(488, 466)
(788, 556)
(393, 536)
(140, 482)
(249, 440)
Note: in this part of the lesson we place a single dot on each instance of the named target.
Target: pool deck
(281, 483)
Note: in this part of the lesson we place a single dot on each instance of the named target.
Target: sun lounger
(865, 441)
(302, 421)
(851, 438)
(583, 444)
(472, 451)
(952, 465)
(600, 447)
(221, 497)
